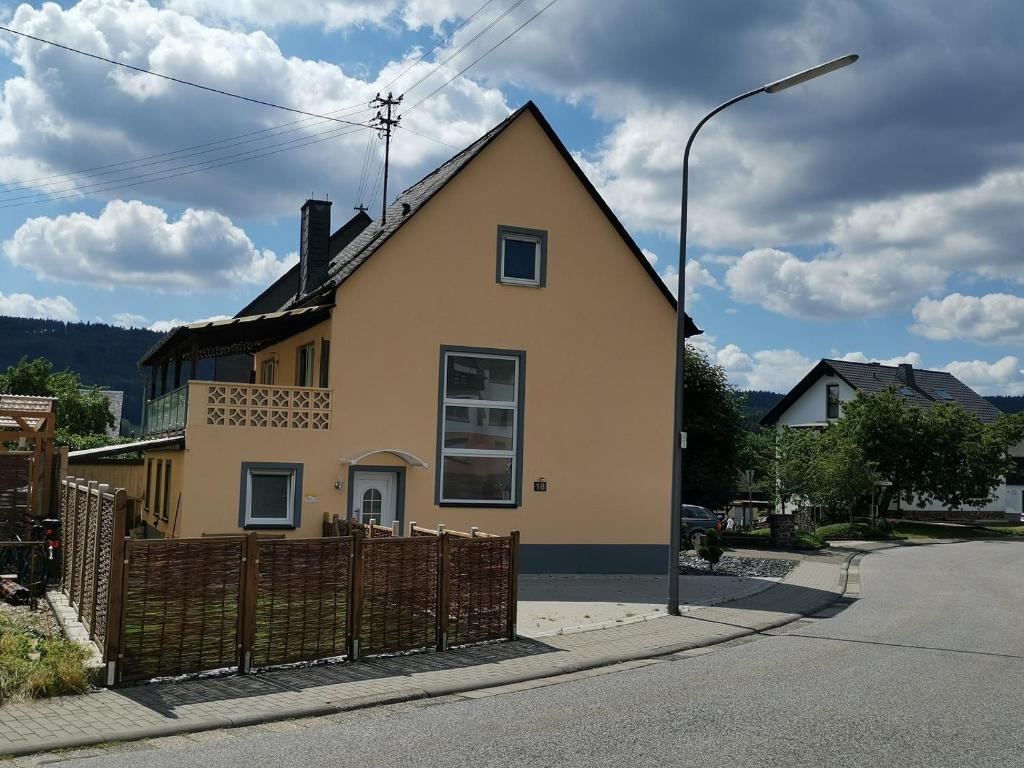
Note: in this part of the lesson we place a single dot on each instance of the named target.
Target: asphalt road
(926, 669)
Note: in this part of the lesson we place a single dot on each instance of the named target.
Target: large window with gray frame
(480, 430)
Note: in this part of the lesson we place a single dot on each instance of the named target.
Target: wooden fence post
(513, 584)
(443, 590)
(101, 490)
(355, 596)
(247, 601)
(67, 528)
(396, 528)
(116, 591)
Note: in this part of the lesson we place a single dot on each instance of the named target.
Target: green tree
(841, 476)
(80, 410)
(713, 416)
(966, 458)
(891, 435)
(711, 548)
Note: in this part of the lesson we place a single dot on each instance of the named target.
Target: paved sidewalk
(171, 708)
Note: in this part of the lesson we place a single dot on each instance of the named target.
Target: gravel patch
(691, 565)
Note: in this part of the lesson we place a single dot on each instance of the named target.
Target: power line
(135, 165)
(210, 165)
(465, 45)
(479, 59)
(437, 45)
(90, 170)
(410, 130)
(176, 79)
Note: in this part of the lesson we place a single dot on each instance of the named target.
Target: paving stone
(155, 712)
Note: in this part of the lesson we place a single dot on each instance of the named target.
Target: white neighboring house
(818, 400)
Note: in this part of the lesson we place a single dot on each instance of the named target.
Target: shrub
(711, 548)
(34, 666)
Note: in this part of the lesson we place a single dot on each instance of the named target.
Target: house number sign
(540, 485)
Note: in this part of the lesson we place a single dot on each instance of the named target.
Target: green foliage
(862, 531)
(805, 541)
(710, 548)
(80, 411)
(34, 663)
(713, 422)
(103, 355)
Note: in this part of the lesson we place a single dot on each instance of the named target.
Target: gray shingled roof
(407, 204)
(373, 237)
(872, 377)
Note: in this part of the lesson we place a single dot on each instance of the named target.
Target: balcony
(224, 404)
(166, 414)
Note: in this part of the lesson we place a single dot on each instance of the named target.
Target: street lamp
(677, 433)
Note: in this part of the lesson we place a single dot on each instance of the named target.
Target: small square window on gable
(522, 256)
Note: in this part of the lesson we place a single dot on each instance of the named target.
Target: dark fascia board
(821, 369)
(691, 328)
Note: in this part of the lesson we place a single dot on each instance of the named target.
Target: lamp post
(677, 432)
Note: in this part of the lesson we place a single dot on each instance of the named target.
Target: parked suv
(698, 519)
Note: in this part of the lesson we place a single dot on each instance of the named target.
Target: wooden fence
(169, 607)
(16, 470)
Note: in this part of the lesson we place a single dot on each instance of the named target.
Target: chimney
(314, 245)
(905, 373)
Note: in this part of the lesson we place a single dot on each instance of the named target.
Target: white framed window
(480, 415)
(522, 256)
(271, 495)
(267, 371)
(304, 360)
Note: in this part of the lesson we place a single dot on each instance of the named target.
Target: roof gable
(416, 197)
(929, 387)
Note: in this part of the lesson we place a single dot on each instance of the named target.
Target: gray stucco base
(593, 558)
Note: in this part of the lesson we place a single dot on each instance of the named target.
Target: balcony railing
(262, 405)
(167, 412)
(222, 404)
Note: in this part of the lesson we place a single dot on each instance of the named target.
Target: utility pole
(384, 125)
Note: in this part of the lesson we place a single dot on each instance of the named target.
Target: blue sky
(873, 214)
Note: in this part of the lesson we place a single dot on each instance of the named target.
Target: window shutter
(325, 357)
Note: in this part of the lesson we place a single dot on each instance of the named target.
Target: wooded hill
(102, 355)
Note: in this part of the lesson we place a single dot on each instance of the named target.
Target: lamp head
(810, 74)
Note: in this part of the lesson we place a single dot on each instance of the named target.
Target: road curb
(552, 671)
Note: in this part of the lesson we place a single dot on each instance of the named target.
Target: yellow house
(496, 351)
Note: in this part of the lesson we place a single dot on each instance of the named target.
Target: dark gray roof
(928, 388)
(407, 204)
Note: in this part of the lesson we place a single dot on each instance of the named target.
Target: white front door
(375, 497)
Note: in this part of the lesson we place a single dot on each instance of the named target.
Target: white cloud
(830, 287)
(772, 370)
(27, 305)
(697, 279)
(1002, 377)
(131, 243)
(129, 320)
(63, 108)
(163, 326)
(859, 357)
(995, 318)
(652, 257)
(331, 14)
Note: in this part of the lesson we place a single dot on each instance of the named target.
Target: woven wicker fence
(93, 524)
(182, 606)
(302, 600)
(15, 497)
(170, 607)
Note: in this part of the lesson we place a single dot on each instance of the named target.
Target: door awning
(233, 336)
(408, 458)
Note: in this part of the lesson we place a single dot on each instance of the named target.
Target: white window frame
(462, 402)
(309, 372)
(537, 254)
(270, 521)
(270, 364)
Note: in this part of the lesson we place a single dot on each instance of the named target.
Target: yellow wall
(153, 508)
(599, 365)
(598, 341)
(285, 354)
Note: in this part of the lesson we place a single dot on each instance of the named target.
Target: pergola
(31, 423)
(218, 338)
